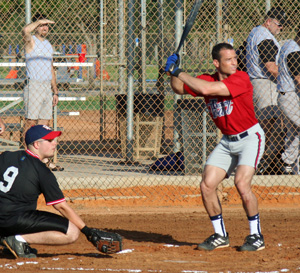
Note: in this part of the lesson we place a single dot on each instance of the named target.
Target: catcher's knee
(72, 233)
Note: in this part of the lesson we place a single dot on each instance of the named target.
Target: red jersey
(235, 113)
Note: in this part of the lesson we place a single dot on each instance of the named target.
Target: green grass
(93, 103)
(3, 72)
(151, 72)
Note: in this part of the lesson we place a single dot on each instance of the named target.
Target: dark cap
(40, 132)
(38, 16)
(278, 14)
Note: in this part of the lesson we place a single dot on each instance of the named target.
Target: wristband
(86, 231)
(176, 72)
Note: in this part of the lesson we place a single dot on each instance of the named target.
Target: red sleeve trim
(55, 202)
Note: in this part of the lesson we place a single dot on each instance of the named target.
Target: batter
(229, 98)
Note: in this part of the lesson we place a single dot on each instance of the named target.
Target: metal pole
(160, 49)
(101, 45)
(101, 98)
(122, 85)
(143, 41)
(27, 12)
(219, 21)
(178, 32)
(130, 73)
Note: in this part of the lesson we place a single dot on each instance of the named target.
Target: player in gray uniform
(261, 60)
(288, 101)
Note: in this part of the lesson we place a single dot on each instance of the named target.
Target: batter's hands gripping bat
(188, 25)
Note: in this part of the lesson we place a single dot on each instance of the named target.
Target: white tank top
(39, 61)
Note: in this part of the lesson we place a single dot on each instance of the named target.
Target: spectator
(289, 102)
(40, 92)
(261, 59)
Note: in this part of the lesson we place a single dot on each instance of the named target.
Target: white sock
(20, 238)
(218, 225)
(254, 224)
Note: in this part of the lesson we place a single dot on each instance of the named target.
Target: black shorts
(34, 221)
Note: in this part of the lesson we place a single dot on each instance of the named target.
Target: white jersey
(39, 61)
(285, 82)
(255, 67)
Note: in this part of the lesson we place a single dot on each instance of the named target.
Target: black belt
(237, 137)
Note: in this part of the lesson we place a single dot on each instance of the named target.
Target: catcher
(23, 177)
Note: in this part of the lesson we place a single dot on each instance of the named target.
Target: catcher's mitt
(105, 242)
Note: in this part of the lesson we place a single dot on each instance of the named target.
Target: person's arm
(28, 29)
(199, 86)
(177, 85)
(2, 126)
(66, 211)
(293, 63)
(267, 52)
(54, 86)
(106, 242)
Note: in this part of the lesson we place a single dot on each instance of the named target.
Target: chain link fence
(126, 135)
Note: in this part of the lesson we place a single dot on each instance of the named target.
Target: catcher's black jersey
(23, 178)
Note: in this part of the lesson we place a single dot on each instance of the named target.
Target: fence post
(27, 12)
(219, 20)
(178, 32)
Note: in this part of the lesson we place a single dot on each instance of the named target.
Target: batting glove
(172, 64)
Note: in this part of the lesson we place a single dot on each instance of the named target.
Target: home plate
(125, 251)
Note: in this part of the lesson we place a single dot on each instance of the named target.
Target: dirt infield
(163, 239)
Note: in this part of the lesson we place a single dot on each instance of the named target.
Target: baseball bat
(188, 25)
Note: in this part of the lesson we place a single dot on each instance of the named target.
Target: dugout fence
(116, 49)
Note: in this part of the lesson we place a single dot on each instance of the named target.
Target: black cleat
(19, 249)
(214, 241)
(253, 242)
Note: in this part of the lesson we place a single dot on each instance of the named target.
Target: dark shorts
(35, 221)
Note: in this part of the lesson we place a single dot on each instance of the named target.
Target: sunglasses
(277, 24)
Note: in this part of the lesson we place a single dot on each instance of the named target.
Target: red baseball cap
(40, 132)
